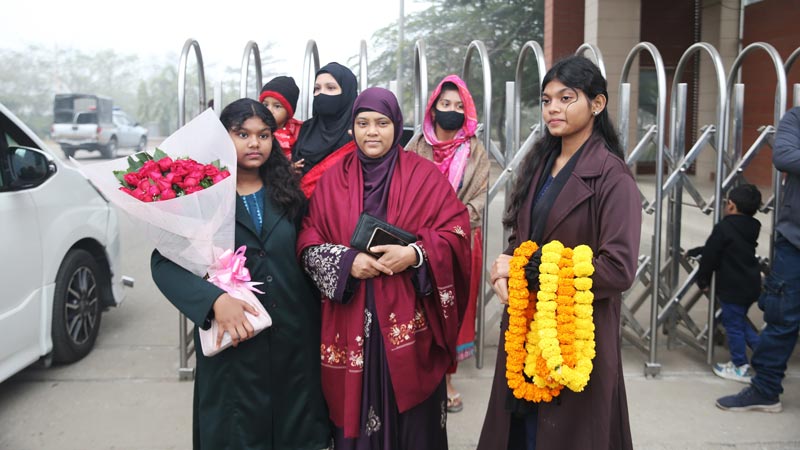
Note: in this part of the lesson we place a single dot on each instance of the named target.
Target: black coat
(265, 394)
(730, 251)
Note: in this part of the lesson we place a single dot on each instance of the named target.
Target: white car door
(20, 273)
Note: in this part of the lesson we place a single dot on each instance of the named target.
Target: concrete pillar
(720, 28)
(613, 26)
(563, 28)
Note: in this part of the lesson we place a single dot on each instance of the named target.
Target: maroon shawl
(419, 333)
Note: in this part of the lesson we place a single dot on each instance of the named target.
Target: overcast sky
(150, 27)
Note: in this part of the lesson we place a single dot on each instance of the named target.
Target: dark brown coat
(598, 206)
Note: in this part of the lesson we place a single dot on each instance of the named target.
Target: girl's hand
(396, 257)
(229, 314)
(501, 289)
(365, 266)
(500, 268)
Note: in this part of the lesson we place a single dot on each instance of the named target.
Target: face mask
(327, 105)
(449, 120)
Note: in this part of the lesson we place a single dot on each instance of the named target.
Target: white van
(59, 240)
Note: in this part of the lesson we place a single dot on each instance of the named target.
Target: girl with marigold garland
(574, 187)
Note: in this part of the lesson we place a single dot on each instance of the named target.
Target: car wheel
(110, 150)
(76, 307)
(68, 151)
(142, 144)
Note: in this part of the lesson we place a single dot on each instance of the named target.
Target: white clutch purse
(208, 338)
(229, 273)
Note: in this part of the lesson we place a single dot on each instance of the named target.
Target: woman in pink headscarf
(448, 139)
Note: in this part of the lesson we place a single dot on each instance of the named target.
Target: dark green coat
(266, 393)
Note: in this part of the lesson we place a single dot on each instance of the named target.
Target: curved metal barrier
(514, 153)
(250, 48)
(529, 48)
(201, 79)
(736, 92)
(655, 134)
(788, 67)
(477, 47)
(185, 329)
(310, 68)
(363, 76)
(420, 85)
(597, 56)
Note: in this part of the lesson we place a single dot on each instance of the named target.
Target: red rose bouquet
(185, 207)
(159, 177)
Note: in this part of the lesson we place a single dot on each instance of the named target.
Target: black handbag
(371, 231)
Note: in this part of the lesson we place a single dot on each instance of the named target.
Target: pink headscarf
(451, 156)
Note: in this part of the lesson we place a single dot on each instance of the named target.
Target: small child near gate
(730, 251)
(280, 95)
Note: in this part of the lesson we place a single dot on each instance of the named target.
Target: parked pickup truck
(91, 122)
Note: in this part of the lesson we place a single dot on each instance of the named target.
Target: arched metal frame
(677, 141)
(478, 47)
(363, 76)
(787, 68)
(420, 85)
(651, 366)
(779, 109)
(250, 48)
(201, 79)
(529, 48)
(185, 331)
(597, 56)
(310, 68)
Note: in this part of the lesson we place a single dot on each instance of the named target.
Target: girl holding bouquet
(324, 138)
(264, 393)
(573, 187)
(390, 313)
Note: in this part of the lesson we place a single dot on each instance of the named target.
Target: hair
(276, 172)
(579, 73)
(746, 197)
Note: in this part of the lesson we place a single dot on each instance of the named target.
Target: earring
(595, 113)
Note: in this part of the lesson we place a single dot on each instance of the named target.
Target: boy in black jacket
(730, 251)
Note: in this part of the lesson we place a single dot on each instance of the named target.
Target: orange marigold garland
(558, 348)
(520, 312)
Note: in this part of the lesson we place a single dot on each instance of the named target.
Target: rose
(154, 175)
(192, 189)
(148, 167)
(190, 181)
(143, 185)
(132, 179)
(167, 194)
(211, 170)
(165, 163)
(153, 191)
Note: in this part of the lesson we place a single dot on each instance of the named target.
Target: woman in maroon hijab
(389, 324)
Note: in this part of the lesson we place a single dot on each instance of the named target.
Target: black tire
(68, 151)
(77, 307)
(110, 150)
(142, 144)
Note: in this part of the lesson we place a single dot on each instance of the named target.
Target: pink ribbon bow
(229, 271)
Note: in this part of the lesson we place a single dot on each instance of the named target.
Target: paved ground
(126, 394)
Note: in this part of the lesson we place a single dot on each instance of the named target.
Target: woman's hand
(501, 289)
(396, 257)
(365, 266)
(499, 275)
(229, 314)
(500, 267)
(297, 166)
